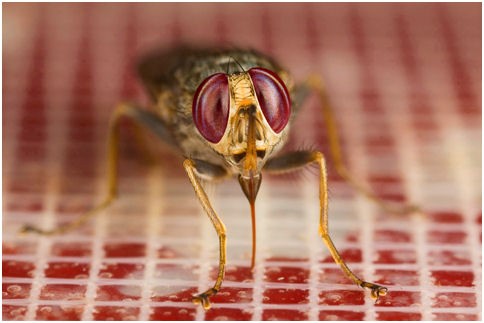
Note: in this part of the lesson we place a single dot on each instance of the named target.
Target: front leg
(191, 169)
(298, 159)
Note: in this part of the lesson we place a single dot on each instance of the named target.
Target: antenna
(236, 61)
(228, 65)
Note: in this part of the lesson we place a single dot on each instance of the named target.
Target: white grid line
(50, 198)
(263, 229)
(314, 245)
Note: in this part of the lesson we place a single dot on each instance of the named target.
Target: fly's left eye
(211, 106)
(273, 97)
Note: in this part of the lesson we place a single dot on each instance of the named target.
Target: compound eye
(273, 97)
(210, 109)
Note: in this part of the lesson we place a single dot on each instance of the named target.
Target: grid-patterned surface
(406, 84)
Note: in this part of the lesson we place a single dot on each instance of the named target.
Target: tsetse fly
(228, 112)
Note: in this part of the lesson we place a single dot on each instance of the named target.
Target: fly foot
(203, 298)
(376, 290)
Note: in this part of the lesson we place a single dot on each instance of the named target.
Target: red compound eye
(211, 105)
(272, 96)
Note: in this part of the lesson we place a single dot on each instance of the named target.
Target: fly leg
(192, 167)
(294, 160)
(316, 84)
(122, 110)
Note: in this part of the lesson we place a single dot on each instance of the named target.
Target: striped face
(243, 116)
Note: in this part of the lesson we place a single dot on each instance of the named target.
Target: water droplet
(280, 278)
(46, 309)
(81, 276)
(106, 275)
(292, 279)
(274, 270)
(183, 311)
(17, 312)
(14, 289)
(334, 297)
(221, 318)
(121, 311)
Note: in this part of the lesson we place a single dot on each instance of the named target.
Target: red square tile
(121, 270)
(451, 299)
(115, 313)
(393, 236)
(174, 293)
(293, 275)
(454, 237)
(396, 257)
(118, 292)
(445, 217)
(284, 315)
(239, 274)
(342, 297)
(287, 259)
(383, 179)
(397, 277)
(34, 183)
(67, 270)
(63, 292)
(77, 185)
(350, 255)
(395, 298)
(454, 317)
(120, 250)
(166, 252)
(75, 206)
(33, 134)
(71, 249)
(341, 315)
(335, 276)
(13, 268)
(18, 247)
(398, 316)
(178, 272)
(59, 313)
(15, 291)
(448, 257)
(166, 313)
(228, 314)
(234, 295)
(33, 205)
(13, 312)
(285, 296)
(452, 278)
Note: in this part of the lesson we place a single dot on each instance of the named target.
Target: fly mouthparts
(250, 186)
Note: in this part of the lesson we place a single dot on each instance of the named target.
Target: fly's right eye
(210, 109)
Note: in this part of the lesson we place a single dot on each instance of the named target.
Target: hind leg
(143, 118)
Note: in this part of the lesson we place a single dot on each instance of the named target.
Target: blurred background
(405, 83)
